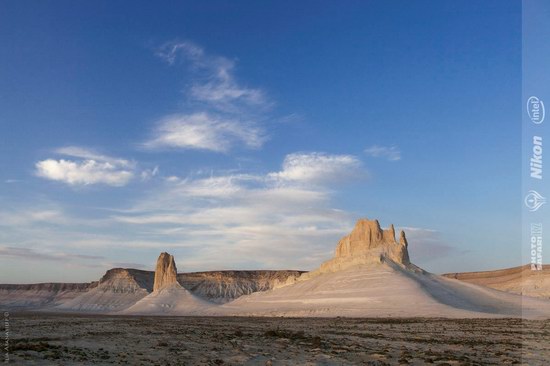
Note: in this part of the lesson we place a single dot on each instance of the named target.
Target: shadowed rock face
(127, 284)
(404, 248)
(165, 272)
(118, 289)
(126, 280)
(224, 286)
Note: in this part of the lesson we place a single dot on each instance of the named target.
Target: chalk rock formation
(224, 286)
(118, 289)
(368, 243)
(367, 235)
(40, 295)
(165, 272)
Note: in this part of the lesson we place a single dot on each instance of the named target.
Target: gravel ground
(56, 339)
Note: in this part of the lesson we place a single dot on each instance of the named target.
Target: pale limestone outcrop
(165, 272)
(225, 286)
(368, 237)
(367, 244)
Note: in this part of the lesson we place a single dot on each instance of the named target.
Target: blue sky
(252, 135)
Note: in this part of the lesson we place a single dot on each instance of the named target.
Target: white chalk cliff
(370, 275)
(118, 289)
(367, 243)
(168, 296)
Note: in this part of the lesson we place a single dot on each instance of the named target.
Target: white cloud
(222, 92)
(216, 84)
(80, 152)
(318, 168)
(222, 186)
(36, 215)
(170, 51)
(91, 168)
(147, 174)
(31, 253)
(391, 153)
(222, 113)
(209, 220)
(276, 220)
(204, 131)
(83, 173)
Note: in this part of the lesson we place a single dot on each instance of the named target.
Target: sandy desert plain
(368, 305)
(68, 339)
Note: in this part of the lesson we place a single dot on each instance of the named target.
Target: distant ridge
(518, 280)
(370, 275)
(214, 286)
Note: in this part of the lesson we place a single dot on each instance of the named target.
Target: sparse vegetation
(68, 340)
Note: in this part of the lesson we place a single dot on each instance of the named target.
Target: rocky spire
(165, 272)
(404, 244)
(388, 235)
(403, 239)
(368, 235)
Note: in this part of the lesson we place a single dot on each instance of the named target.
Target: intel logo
(535, 110)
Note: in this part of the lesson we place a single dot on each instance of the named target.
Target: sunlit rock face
(367, 244)
(368, 237)
(165, 272)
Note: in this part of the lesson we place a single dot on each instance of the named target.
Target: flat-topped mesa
(367, 236)
(165, 272)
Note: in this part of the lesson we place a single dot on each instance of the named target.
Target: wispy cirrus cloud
(33, 254)
(68, 260)
(129, 265)
(223, 113)
(215, 82)
(204, 131)
(86, 167)
(88, 154)
(276, 220)
(391, 153)
(148, 174)
(32, 216)
(318, 168)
